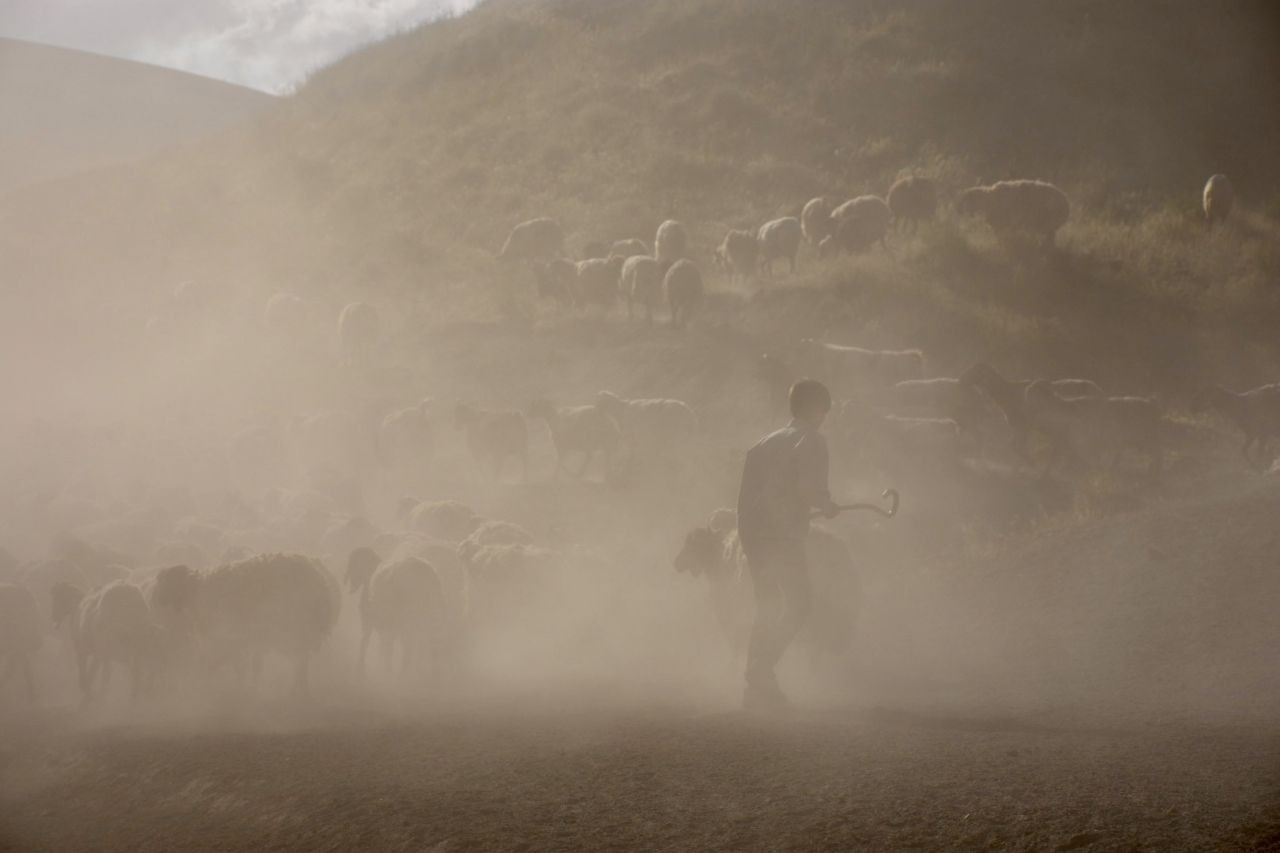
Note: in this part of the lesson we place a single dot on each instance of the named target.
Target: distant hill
(64, 111)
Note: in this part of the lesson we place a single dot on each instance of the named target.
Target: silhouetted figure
(784, 479)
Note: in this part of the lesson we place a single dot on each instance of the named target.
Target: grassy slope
(400, 169)
(65, 111)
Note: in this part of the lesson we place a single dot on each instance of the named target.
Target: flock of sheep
(188, 597)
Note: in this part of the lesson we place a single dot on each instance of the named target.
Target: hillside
(397, 172)
(65, 111)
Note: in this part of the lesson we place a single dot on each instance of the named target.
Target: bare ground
(652, 779)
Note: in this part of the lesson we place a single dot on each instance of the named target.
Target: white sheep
(1013, 207)
(629, 247)
(779, 238)
(288, 315)
(815, 220)
(579, 429)
(1096, 427)
(642, 285)
(20, 633)
(533, 240)
(494, 436)
(1255, 412)
(402, 602)
(738, 255)
(857, 372)
(271, 603)
(596, 282)
(670, 244)
(111, 625)
(856, 225)
(406, 437)
(912, 200)
(1219, 197)
(358, 329)
(649, 420)
(683, 287)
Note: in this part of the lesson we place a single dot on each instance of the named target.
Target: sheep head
(177, 587)
(972, 201)
(66, 600)
(361, 564)
(701, 553)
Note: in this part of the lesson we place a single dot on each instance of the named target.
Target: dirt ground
(663, 778)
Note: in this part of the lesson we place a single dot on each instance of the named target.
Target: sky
(265, 44)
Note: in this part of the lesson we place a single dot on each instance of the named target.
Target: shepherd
(784, 483)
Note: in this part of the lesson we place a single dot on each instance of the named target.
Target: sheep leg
(91, 675)
(364, 645)
(586, 463)
(791, 265)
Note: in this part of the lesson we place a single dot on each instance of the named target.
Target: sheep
(900, 445)
(1255, 412)
(335, 440)
(1008, 396)
(596, 282)
(858, 371)
(856, 225)
(241, 611)
(629, 247)
(1096, 426)
(20, 634)
(641, 285)
(581, 429)
(815, 220)
(1219, 198)
(779, 238)
(287, 315)
(714, 552)
(508, 586)
(406, 437)
(170, 553)
(670, 244)
(738, 255)
(912, 200)
(357, 332)
(110, 625)
(41, 577)
(683, 287)
(343, 535)
(594, 249)
(494, 436)
(402, 601)
(534, 240)
(1012, 207)
(652, 421)
(493, 533)
(555, 280)
(448, 520)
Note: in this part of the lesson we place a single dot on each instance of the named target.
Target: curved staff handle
(890, 495)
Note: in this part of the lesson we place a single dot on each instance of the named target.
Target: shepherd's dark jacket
(784, 477)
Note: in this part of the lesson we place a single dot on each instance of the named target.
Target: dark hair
(808, 395)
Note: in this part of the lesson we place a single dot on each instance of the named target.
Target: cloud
(266, 44)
